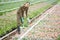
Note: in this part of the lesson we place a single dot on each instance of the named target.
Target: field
(48, 28)
(8, 20)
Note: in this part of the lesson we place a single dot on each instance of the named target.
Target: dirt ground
(48, 28)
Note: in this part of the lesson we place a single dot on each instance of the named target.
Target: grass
(39, 11)
(59, 2)
(7, 24)
(8, 6)
(58, 38)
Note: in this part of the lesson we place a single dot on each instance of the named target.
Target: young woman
(20, 15)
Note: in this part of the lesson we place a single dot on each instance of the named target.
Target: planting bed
(9, 21)
(48, 28)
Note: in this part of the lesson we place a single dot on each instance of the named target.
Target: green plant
(7, 23)
(39, 11)
(58, 38)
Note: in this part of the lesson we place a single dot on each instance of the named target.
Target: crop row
(8, 23)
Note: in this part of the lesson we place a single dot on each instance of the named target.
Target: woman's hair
(27, 4)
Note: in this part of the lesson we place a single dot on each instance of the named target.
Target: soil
(48, 28)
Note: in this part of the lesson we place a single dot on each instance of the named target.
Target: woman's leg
(18, 29)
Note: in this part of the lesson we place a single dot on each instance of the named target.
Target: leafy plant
(58, 38)
(7, 23)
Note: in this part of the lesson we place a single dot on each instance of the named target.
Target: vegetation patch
(58, 38)
(8, 23)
